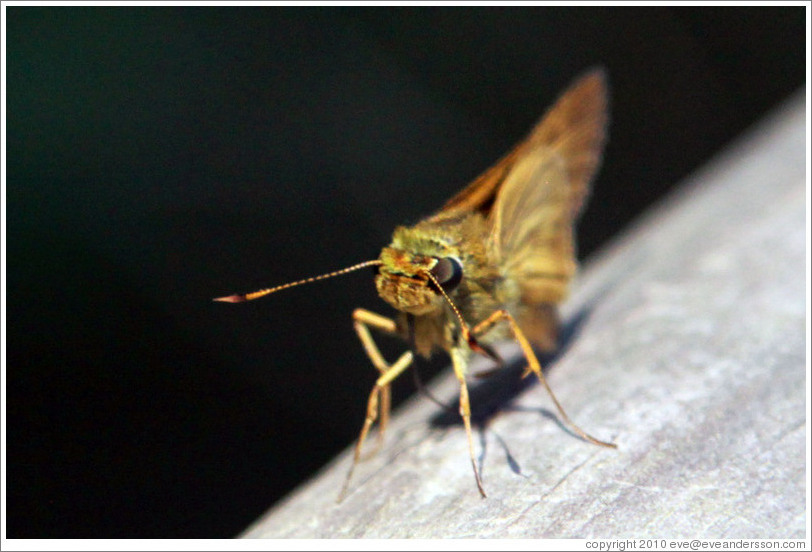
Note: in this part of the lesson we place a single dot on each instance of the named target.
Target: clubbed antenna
(237, 298)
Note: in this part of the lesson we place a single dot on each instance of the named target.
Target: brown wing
(574, 127)
(539, 199)
(532, 235)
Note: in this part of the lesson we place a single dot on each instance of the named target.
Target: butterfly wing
(532, 235)
(531, 199)
(541, 196)
(574, 127)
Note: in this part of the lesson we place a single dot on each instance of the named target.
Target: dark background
(158, 157)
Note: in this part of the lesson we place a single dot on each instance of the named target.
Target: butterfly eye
(448, 272)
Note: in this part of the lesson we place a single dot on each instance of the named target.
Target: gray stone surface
(686, 346)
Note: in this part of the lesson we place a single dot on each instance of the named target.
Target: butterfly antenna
(237, 298)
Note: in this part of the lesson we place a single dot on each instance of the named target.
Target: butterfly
(492, 264)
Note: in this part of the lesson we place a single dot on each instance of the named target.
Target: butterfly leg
(459, 362)
(379, 398)
(534, 366)
(362, 321)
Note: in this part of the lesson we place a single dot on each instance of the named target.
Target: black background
(158, 157)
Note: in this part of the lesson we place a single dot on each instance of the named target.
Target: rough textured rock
(686, 346)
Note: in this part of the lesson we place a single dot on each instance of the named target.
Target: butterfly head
(412, 273)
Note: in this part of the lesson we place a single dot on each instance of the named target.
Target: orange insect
(493, 263)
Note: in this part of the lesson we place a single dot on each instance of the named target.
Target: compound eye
(448, 272)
